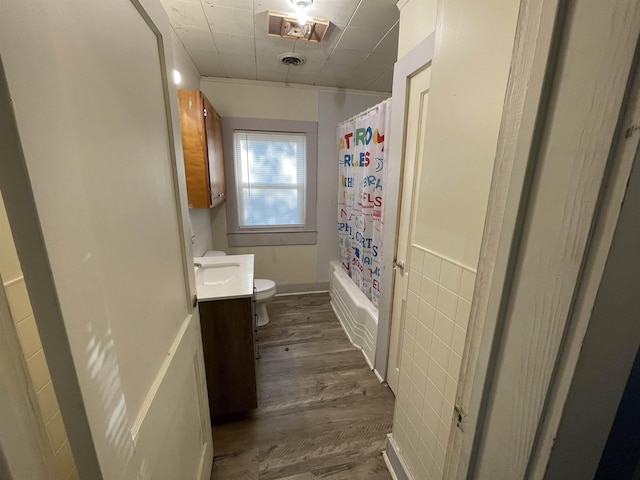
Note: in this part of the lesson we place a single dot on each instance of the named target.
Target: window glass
(270, 172)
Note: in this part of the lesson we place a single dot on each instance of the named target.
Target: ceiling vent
(291, 59)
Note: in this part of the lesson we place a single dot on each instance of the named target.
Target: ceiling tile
(240, 4)
(305, 74)
(283, 6)
(333, 75)
(356, 38)
(261, 23)
(389, 44)
(229, 20)
(268, 50)
(186, 14)
(239, 66)
(207, 63)
(195, 38)
(332, 36)
(268, 75)
(384, 83)
(376, 15)
(313, 52)
(357, 82)
(241, 44)
(336, 11)
(369, 70)
(341, 56)
(270, 62)
(376, 64)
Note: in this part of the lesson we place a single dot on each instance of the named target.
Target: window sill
(265, 238)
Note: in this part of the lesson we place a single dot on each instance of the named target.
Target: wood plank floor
(322, 414)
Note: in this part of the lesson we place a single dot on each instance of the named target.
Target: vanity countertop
(224, 277)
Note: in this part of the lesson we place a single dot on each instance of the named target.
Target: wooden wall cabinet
(229, 357)
(201, 129)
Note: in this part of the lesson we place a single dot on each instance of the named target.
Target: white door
(96, 200)
(418, 99)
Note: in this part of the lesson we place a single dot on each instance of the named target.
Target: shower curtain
(362, 175)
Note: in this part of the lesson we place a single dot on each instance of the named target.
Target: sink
(216, 274)
(223, 277)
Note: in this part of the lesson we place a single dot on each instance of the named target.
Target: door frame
(23, 215)
(490, 400)
(410, 64)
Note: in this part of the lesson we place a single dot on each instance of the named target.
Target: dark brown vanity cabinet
(229, 356)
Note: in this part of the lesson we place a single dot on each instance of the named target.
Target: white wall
(417, 21)
(296, 264)
(200, 217)
(47, 408)
(473, 47)
(471, 65)
(24, 450)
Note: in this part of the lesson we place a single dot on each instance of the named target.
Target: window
(271, 181)
(270, 176)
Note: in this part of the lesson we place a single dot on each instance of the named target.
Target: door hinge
(460, 417)
(205, 112)
(194, 301)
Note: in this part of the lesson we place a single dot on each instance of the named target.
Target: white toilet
(265, 291)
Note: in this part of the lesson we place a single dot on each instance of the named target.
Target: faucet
(196, 264)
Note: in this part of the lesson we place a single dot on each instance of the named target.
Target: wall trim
(445, 258)
(401, 4)
(302, 288)
(19, 279)
(396, 465)
(237, 236)
(290, 85)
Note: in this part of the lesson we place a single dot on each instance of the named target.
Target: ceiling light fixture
(177, 78)
(288, 26)
(302, 3)
(302, 17)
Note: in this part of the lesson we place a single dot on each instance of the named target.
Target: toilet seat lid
(262, 285)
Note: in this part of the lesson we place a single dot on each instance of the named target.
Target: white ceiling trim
(303, 86)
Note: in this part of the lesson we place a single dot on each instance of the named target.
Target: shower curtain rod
(370, 109)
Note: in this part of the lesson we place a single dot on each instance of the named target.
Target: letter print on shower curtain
(362, 176)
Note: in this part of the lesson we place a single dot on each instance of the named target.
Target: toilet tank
(214, 253)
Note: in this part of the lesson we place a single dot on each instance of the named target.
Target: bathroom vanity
(225, 292)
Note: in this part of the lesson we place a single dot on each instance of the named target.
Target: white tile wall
(20, 306)
(436, 319)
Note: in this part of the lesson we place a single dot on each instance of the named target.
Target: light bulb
(302, 3)
(177, 78)
(302, 17)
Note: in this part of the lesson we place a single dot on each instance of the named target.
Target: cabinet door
(227, 338)
(194, 140)
(213, 127)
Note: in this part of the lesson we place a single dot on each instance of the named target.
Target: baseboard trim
(293, 289)
(396, 465)
(387, 462)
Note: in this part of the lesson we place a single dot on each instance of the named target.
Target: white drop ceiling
(228, 38)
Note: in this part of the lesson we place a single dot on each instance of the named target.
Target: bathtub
(358, 316)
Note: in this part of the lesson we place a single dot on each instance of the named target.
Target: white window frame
(268, 235)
